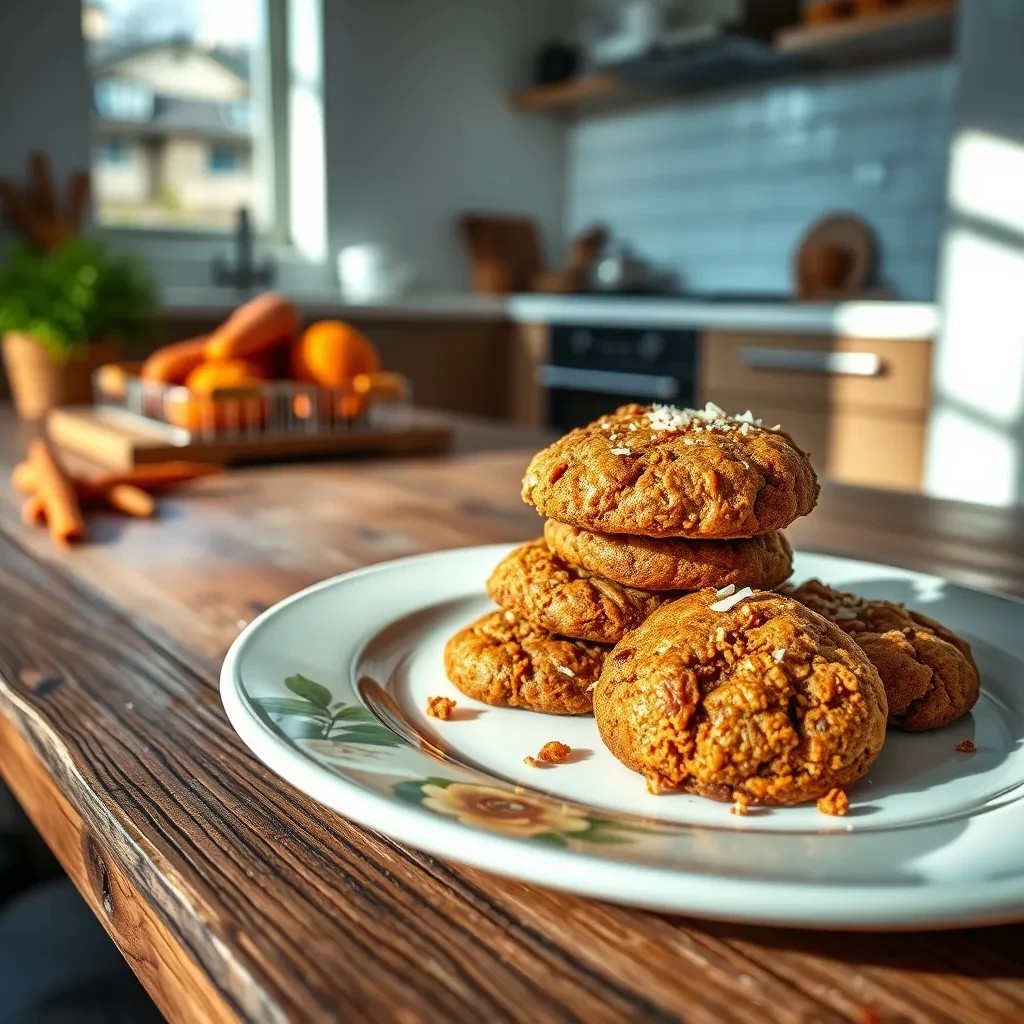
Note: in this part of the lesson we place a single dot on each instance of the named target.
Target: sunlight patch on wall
(985, 179)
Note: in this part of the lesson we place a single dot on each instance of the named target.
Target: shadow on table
(981, 953)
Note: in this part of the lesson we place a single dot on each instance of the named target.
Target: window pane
(174, 128)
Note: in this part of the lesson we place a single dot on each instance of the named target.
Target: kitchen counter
(862, 319)
(893, 320)
(209, 303)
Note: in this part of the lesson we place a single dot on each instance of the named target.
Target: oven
(592, 370)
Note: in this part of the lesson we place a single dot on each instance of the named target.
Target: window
(222, 160)
(183, 110)
(120, 99)
(112, 153)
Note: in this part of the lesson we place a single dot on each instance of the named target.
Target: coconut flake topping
(566, 671)
(620, 451)
(726, 591)
(711, 417)
(732, 600)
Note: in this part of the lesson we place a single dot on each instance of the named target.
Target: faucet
(245, 272)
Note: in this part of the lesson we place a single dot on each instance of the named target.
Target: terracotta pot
(39, 382)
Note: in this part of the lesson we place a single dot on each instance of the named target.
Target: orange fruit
(232, 373)
(333, 354)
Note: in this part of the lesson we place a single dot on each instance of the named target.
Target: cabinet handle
(849, 364)
(636, 385)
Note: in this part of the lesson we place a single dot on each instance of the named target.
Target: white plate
(328, 688)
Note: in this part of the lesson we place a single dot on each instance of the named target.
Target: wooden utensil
(45, 218)
(504, 251)
(835, 258)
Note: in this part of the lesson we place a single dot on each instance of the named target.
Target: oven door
(594, 370)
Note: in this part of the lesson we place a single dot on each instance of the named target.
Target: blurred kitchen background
(538, 209)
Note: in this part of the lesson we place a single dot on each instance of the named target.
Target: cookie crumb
(440, 707)
(531, 762)
(554, 752)
(739, 805)
(967, 747)
(835, 802)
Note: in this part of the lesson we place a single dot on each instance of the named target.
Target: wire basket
(270, 409)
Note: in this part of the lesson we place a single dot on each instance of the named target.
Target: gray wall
(976, 435)
(721, 189)
(43, 85)
(418, 130)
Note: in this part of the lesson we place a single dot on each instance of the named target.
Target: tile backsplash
(720, 190)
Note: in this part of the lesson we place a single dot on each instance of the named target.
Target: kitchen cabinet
(858, 406)
(529, 349)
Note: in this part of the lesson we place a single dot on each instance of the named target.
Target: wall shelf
(915, 30)
(567, 97)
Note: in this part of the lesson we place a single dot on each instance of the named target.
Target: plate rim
(854, 907)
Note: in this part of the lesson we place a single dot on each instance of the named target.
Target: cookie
(651, 563)
(752, 697)
(537, 585)
(657, 471)
(503, 660)
(929, 674)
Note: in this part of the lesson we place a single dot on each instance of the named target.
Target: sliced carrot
(158, 476)
(129, 499)
(23, 477)
(261, 324)
(55, 488)
(32, 511)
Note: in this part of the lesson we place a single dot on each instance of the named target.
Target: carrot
(173, 363)
(23, 478)
(55, 489)
(131, 500)
(158, 476)
(32, 512)
(261, 324)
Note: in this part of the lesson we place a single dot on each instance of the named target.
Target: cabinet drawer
(871, 448)
(818, 371)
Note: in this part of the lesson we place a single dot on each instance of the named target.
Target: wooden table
(233, 897)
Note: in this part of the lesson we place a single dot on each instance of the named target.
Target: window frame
(270, 217)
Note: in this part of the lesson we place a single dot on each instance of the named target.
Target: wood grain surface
(236, 898)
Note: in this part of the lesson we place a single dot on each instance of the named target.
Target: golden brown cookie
(652, 563)
(502, 660)
(929, 675)
(537, 585)
(657, 471)
(760, 700)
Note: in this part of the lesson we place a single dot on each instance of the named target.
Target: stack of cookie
(644, 505)
(655, 600)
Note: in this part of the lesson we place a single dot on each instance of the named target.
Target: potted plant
(64, 312)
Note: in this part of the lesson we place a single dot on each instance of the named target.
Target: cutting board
(120, 440)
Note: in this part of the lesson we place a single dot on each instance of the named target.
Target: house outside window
(223, 160)
(182, 106)
(112, 153)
